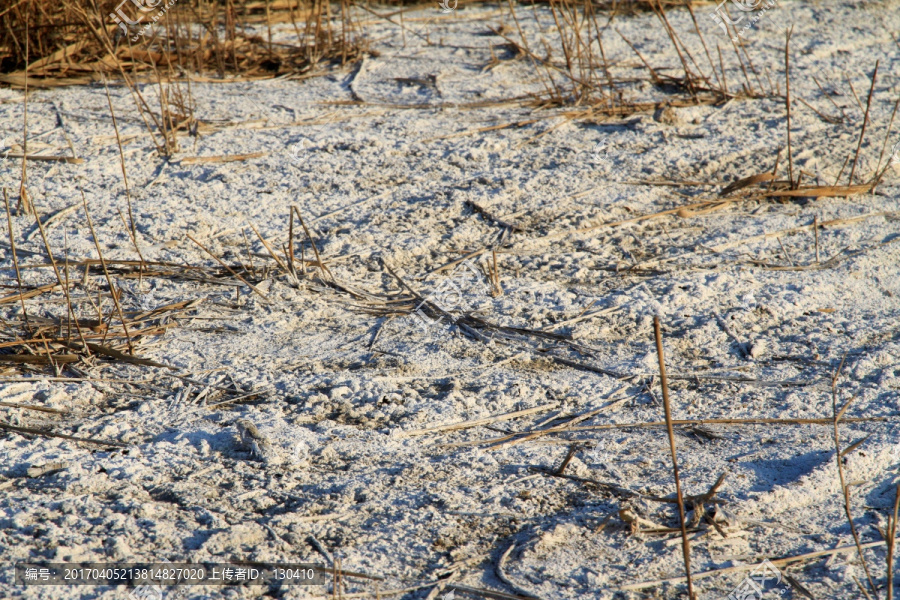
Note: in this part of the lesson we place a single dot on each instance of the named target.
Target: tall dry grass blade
(748, 89)
(132, 231)
(841, 172)
(862, 131)
(722, 68)
(102, 36)
(290, 256)
(229, 269)
(653, 74)
(787, 102)
(536, 63)
(829, 98)
(24, 201)
(271, 251)
(34, 431)
(891, 541)
(685, 544)
(12, 245)
(312, 242)
(855, 95)
(752, 68)
(705, 49)
(59, 278)
(599, 36)
(109, 281)
(68, 304)
(879, 171)
(688, 76)
(816, 233)
(844, 486)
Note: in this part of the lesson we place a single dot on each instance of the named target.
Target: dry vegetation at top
(62, 43)
(45, 44)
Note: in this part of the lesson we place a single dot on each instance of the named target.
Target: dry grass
(70, 339)
(49, 44)
(78, 42)
(573, 66)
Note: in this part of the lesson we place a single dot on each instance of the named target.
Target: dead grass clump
(79, 42)
(792, 188)
(575, 69)
(95, 319)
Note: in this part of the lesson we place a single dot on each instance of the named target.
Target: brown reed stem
(112, 288)
(891, 541)
(229, 269)
(787, 102)
(12, 245)
(844, 487)
(862, 132)
(24, 201)
(290, 256)
(312, 242)
(132, 230)
(685, 544)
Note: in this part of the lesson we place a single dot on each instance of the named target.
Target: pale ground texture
(754, 327)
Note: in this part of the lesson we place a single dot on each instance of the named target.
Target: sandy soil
(754, 323)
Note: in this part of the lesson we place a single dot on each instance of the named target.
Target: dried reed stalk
(891, 544)
(229, 269)
(685, 543)
(312, 242)
(24, 201)
(862, 131)
(132, 230)
(840, 465)
(112, 287)
(12, 245)
(787, 102)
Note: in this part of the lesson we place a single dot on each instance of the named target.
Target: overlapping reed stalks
(60, 43)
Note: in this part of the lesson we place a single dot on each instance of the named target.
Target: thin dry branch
(33, 431)
(787, 101)
(12, 245)
(891, 542)
(777, 561)
(844, 486)
(862, 131)
(229, 269)
(312, 241)
(112, 288)
(132, 230)
(479, 422)
(685, 543)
